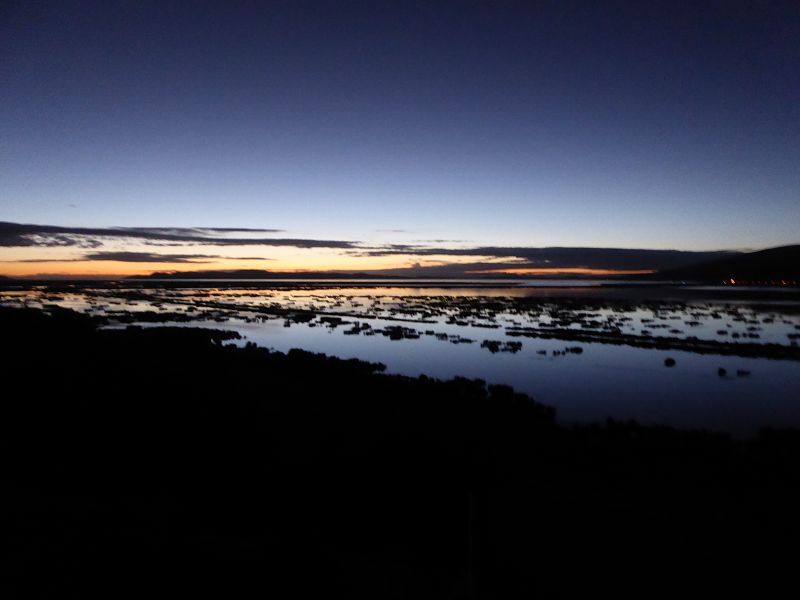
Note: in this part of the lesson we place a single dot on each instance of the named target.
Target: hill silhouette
(772, 265)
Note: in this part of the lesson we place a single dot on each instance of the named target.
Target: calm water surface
(439, 331)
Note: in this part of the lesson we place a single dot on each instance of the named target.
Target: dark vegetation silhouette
(165, 460)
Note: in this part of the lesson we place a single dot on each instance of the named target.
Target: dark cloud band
(557, 257)
(29, 235)
(145, 257)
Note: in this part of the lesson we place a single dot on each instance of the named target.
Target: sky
(396, 129)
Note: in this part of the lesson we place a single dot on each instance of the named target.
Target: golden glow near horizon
(68, 261)
(74, 261)
(107, 268)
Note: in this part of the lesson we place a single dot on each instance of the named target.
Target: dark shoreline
(141, 454)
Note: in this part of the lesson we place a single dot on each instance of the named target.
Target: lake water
(459, 329)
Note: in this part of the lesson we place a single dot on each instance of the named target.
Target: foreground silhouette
(165, 460)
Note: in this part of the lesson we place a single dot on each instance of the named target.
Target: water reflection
(590, 356)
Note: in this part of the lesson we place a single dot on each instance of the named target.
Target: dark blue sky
(641, 124)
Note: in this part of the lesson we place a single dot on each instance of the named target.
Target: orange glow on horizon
(112, 269)
(64, 263)
(282, 260)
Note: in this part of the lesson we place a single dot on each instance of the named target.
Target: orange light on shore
(762, 282)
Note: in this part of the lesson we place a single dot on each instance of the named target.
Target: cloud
(145, 257)
(557, 257)
(197, 231)
(29, 235)
(481, 257)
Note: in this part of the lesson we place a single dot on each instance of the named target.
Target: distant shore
(555, 288)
